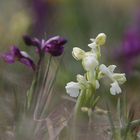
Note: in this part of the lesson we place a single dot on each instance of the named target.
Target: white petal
(115, 88)
(112, 68)
(72, 88)
(103, 68)
(24, 54)
(112, 91)
(92, 39)
(92, 45)
(74, 93)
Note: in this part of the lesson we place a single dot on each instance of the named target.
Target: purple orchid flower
(53, 46)
(15, 54)
(131, 48)
(130, 45)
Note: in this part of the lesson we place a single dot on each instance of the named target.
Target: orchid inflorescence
(87, 84)
(38, 96)
(53, 46)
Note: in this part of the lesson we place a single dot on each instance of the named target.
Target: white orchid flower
(117, 78)
(73, 89)
(108, 71)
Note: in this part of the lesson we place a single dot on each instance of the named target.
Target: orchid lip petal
(28, 62)
(8, 57)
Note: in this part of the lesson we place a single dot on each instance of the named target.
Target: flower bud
(100, 111)
(84, 109)
(100, 39)
(78, 53)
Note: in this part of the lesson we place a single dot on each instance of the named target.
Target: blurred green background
(77, 21)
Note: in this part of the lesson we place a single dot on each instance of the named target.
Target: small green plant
(87, 85)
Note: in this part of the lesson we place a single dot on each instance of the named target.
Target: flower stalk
(32, 94)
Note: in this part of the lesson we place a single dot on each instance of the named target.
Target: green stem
(40, 95)
(80, 117)
(32, 92)
(98, 53)
(80, 103)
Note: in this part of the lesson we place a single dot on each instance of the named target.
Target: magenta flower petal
(54, 45)
(28, 62)
(55, 51)
(56, 40)
(15, 54)
(8, 57)
(31, 41)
